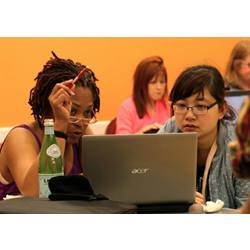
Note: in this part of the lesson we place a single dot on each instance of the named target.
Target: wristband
(60, 134)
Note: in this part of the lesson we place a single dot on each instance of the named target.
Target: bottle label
(44, 190)
(53, 151)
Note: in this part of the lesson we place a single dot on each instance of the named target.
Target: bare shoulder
(19, 142)
(20, 149)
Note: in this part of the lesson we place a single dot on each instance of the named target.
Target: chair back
(111, 128)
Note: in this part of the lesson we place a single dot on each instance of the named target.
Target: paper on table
(8, 196)
(212, 207)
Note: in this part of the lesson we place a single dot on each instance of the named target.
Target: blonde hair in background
(240, 51)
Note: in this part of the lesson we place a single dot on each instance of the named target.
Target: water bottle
(50, 159)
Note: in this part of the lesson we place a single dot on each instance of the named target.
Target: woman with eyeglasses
(71, 105)
(237, 75)
(199, 106)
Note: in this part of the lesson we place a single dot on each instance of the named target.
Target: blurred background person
(240, 148)
(146, 110)
(237, 75)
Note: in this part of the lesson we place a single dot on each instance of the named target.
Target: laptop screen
(235, 98)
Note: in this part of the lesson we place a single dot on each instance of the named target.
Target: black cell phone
(152, 131)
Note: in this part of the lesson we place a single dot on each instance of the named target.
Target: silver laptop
(142, 169)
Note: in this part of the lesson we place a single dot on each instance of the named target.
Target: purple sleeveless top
(12, 189)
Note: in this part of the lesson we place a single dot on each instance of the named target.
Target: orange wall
(112, 59)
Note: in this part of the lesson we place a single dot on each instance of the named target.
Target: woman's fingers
(67, 86)
(70, 85)
(60, 100)
(157, 125)
(199, 198)
(61, 90)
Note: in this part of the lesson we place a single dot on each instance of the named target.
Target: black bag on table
(76, 187)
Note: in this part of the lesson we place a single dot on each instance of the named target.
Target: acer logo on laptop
(139, 170)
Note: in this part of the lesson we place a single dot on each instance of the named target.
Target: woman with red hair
(146, 111)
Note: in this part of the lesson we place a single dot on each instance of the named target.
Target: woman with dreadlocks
(72, 106)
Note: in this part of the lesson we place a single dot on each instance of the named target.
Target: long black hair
(195, 79)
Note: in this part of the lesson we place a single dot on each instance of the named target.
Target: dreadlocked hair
(57, 70)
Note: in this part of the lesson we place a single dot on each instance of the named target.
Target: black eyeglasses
(196, 109)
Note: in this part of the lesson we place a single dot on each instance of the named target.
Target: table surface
(27, 205)
(46, 206)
